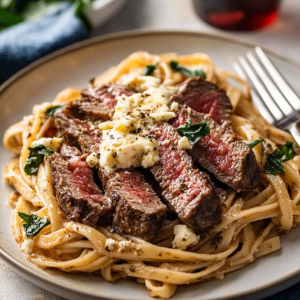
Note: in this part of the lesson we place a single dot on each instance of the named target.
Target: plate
(103, 10)
(74, 66)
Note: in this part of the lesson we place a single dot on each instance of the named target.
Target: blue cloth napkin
(26, 42)
(292, 293)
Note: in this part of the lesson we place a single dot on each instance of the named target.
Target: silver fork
(273, 97)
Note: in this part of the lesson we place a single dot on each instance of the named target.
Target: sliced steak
(97, 103)
(77, 194)
(78, 133)
(231, 161)
(205, 97)
(138, 210)
(190, 192)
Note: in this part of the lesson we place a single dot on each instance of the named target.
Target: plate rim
(268, 289)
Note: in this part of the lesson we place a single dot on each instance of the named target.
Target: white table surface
(282, 36)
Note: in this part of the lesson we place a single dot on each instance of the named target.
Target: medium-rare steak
(78, 133)
(231, 161)
(207, 98)
(77, 194)
(138, 210)
(97, 103)
(190, 192)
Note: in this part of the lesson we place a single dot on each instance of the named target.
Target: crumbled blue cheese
(126, 140)
(51, 143)
(174, 106)
(184, 143)
(110, 245)
(184, 237)
(28, 243)
(125, 246)
(93, 159)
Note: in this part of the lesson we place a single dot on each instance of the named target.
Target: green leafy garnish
(274, 164)
(51, 111)
(149, 70)
(186, 72)
(13, 12)
(33, 224)
(92, 81)
(35, 158)
(182, 187)
(255, 142)
(194, 132)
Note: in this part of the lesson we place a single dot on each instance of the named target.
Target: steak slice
(205, 97)
(97, 103)
(190, 192)
(78, 133)
(77, 194)
(138, 210)
(231, 161)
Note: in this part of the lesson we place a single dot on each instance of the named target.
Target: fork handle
(294, 131)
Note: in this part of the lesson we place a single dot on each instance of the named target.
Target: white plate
(74, 66)
(102, 10)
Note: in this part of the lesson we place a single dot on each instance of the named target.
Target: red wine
(238, 14)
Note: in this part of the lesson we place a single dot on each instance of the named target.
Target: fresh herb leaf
(35, 158)
(149, 70)
(182, 187)
(51, 111)
(274, 164)
(33, 224)
(92, 81)
(194, 132)
(286, 152)
(186, 72)
(255, 142)
(13, 12)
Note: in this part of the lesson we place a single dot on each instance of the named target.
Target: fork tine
(261, 90)
(256, 99)
(271, 87)
(286, 90)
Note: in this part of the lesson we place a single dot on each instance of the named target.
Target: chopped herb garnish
(186, 72)
(274, 164)
(92, 81)
(51, 111)
(33, 224)
(194, 132)
(149, 70)
(255, 142)
(35, 158)
(182, 187)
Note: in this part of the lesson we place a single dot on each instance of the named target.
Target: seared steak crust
(190, 192)
(205, 97)
(97, 103)
(231, 161)
(77, 194)
(138, 210)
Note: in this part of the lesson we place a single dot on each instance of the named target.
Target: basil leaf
(186, 72)
(92, 81)
(255, 142)
(274, 164)
(33, 224)
(51, 111)
(149, 70)
(35, 158)
(286, 152)
(194, 132)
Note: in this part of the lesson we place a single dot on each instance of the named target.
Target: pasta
(251, 221)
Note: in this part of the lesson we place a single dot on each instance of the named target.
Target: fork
(274, 98)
